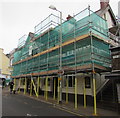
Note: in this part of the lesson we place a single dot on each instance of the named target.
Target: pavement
(69, 107)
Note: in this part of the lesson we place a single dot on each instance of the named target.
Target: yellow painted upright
(76, 105)
(54, 88)
(66, 90)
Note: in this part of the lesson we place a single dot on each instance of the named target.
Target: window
(34, 51)
(116, 56)
(87, 82)
(71, 81)
(48, 81)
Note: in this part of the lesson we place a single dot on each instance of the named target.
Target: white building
(119, 17)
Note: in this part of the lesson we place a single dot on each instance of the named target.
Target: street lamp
(52, 7)
(60, 66)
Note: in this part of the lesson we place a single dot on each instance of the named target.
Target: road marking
(35, 115)
(25, 103)
(69, 111)
(29, 114)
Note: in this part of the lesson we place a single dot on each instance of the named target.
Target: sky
(19, 17)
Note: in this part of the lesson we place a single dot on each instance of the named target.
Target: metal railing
(114, 40)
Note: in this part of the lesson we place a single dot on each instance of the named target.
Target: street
(19, 105)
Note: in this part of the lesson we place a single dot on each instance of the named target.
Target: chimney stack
(69, 17)
(119, 9)
(104, 4)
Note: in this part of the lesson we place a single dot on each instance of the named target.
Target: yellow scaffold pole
(58, 90)
(34, 88)
(84, 93)
(94, 93)
(25, 85)
(76, 93)
(38, 85)
(46, 88)
(67, 90)
(14, 84)
(54, 88)
(19, 85)
(31, 88)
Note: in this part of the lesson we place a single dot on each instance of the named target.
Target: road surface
(19, 105)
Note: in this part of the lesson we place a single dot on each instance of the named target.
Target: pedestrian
(3, 83)
(11, 86)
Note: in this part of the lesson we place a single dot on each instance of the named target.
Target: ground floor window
(87, 82)
(71, 81)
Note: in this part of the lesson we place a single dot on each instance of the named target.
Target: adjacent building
(118, 13)
(106, 13)
(11, 57)
(114, 75)
(4, 65)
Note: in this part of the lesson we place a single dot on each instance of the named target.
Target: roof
(102, 11)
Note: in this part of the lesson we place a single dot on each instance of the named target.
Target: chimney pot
(69, 17)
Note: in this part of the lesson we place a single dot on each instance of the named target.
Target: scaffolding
(85, 49)
(84, 43)
(21, 41)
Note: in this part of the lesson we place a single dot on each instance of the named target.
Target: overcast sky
(19, 17)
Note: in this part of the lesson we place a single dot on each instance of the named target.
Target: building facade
(4, 65)
(118, 14)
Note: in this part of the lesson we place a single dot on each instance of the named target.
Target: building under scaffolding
(84, 44)
(85, 54)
